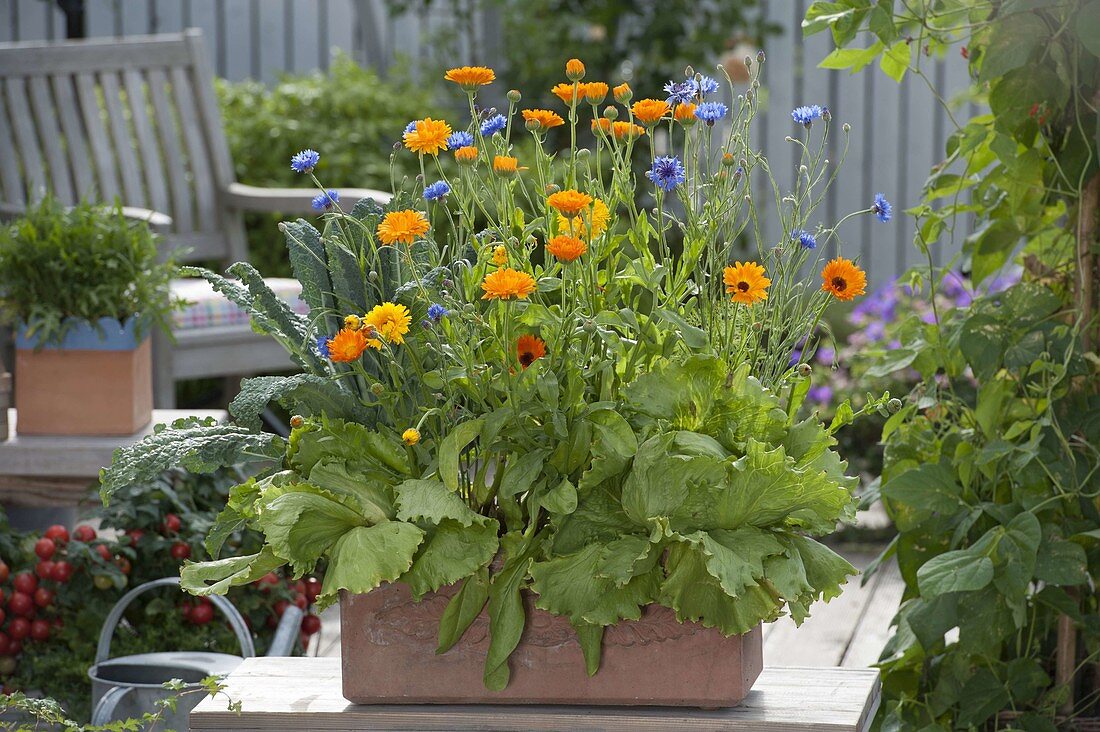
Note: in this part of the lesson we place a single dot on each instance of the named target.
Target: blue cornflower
(805, 238)
(325, 201)
(706, 85)
(322, 346)
(462, 138)
(410, 127)
(881, 208)
(436, 191)
(493, 125)
(436, 312)
(711, 112)
(680, 92)
(806, 115)
(667, 172)
(305, 161)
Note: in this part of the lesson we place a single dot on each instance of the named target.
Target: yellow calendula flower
(589, 224)
(595, 92)
(390, 321)
(843, 279)
(566, 248)
(601, 123)
(505, 165)
(428, 136)
(570, 93)
(746, 283)
(471, 77)
(684, 113)
(411, 436)
(466, 155)
(352, 322)
(622, 93)
(402, 226)
(544, 118)
(650, 111)
(347, 345)
(574, 69)
(500, 255)
(626, 130)
(569, 202)
(506, 284)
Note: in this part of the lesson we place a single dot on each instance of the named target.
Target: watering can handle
(105, 708)
(103, 650)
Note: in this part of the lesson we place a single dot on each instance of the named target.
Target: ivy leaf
(463, 609)
(303, 394)
(450, 552)
(367, 556)
(216, 577)
(571, 586)
(955, 571)
(191, 444)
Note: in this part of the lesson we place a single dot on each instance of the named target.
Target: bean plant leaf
(954, 571)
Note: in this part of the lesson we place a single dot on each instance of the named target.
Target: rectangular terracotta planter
(92, 384)
(388, 643)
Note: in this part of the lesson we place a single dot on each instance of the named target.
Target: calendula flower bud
(377, 389)
(611, 113)
(372, 276)
(574, 69)
(514, 95)
(352, 322)
(500, 255)
(804, 370)
(468, 308)
(410, 436)
(532, 125)
(623, 93)
(589, 326)
(894, 405)
(583, 153)
(846, 127)
(727, 159)
(296, 421)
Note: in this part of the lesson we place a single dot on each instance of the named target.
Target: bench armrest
(158, 222)
(290, 200)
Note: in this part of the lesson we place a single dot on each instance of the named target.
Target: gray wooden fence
(898, 131)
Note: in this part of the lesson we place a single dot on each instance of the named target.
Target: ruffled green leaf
(367, 556)
(302, 522)
(302, 394)
(572, 586)
(216, 577)
(372, 497)
(365, 449)
(430, 501)
(614, 445)
(450, 552)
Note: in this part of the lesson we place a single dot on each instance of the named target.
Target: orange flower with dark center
(507, 283)
(650, 111)
(529, 349)
(471, 77)
(569, 93)
(574, 69)
(428, 136)
(569, 202)
(746, 283)
(684, 113)
(347, 345)
(566, 248)
(467, 154)
(843, 279)
(595, 92)
(626, 130)
(544, 118)
(505, 165)
(402, 226)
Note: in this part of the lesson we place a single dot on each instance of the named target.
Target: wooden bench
(304, 694)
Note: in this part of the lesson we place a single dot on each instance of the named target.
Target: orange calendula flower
(843, 279)
(390, 321)
(428, 136)
(746, 283)
(411, 436)
(626, 130)
(505, 284)
(574, 69)
(566, 248)
(601, 123)
(569, 93)
(529, 348)
(544, 118)
(622, 93)
(402, 226)
(471, 77)
(505, 165)
(347, 345)
(589, 223)
(684, 113)
(569, 202)
(466, 155)
(595, 92)
(650, 111)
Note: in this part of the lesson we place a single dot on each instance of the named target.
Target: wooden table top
(75, 456)
(304, 694)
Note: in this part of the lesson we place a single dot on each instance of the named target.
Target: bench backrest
(134, 119)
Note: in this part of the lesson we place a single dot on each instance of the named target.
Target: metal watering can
(129, 686)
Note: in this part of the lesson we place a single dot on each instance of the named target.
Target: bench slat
(12, 184)
(106, 172)
(125, 154)
(170, 141)
(145, 140)
(26, 139)
(197, 155)
(50, 134)
(75, 141)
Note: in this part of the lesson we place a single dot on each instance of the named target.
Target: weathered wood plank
(110, 54)
(203, 180)
(75, 141)
(304, 693)
(11, 186)
(106, 173)
(33, 172)
(168, 134)
(50, 134)
(873, 630)
(125, 155)
(147, 142)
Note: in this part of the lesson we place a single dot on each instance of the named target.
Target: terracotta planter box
(388, 642)
(92, 384)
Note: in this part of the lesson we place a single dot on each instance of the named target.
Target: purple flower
(826, 355)
(436, 191)
(462, 138)
(436, 312)
(325, 201)
(305, 161)
(322, 346)
(822, 394)
(680, 92)
(667, 173)
(805, 238)
(805, 116)
(881, 208)
(711, 112)
(796, 357)
(493, 125)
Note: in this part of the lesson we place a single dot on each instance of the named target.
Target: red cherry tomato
(313, 589)
(180, 550)
(26, 583)
(40, 630)
(280, 608)
(5, 644)
(271, 622)
(44, 568)
(57, 533)
(104, 552)
(1, 597)
(3, 617)
(311, 624)
(44, 548)
(268, 581)
(84, 533)
(62, 572)
(202, 614)
(58, 622)
(135, 535)
(5, 572)
(15, 648)
(43, 597)
(298, 587)
(123, 564)
(21, 603)
(185, 610)
(171, 523)
(301, 602)
(19, 629)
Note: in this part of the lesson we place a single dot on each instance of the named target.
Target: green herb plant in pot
(82, 286)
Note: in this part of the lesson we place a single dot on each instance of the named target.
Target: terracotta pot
(92, 384)
(388, 643)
